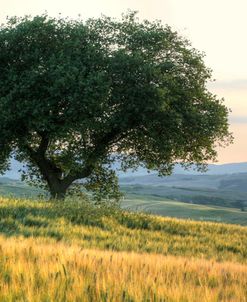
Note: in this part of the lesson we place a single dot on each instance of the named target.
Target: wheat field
(75, 251)
(33, 271)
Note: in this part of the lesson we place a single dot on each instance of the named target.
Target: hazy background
(216, 27)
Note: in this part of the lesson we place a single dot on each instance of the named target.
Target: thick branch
(101, 147)
(48, 169)
(52, 174)
(85, 172)
(43, 144)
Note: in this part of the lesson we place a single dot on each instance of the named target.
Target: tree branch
(43, 144)
(101, 148)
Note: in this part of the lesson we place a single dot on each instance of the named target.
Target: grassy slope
(149, 203)
(45, 257)
(103, 228)
(165, 207)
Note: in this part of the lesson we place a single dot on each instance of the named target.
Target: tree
(75, 96)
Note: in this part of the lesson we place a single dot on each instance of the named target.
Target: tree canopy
(76, 95)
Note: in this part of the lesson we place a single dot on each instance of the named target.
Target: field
(145, 198)
(166, 207)
(17, 188)
(227, 190)
(34, 271)
(76, 251)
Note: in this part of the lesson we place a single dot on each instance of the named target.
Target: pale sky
(216, 27)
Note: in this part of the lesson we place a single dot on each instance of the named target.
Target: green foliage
(75, 96)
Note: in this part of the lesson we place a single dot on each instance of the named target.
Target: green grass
(165, 207)
(103, 227)
(224, 197)
(147, 203)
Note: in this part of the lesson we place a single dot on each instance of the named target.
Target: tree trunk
(59, 195)
(57, 190)
(52, 175)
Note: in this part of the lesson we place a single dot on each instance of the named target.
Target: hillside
(75, 251)
(104, 227)
(235, 181)
(228, 190)
(172, 208)
(16, 188)
(165, 200)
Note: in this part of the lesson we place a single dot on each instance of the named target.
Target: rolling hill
(212, 197)
(227, 190)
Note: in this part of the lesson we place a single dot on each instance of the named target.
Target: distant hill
(17, 188)
(228, 190)
(234, 181)
(216, 169)
(212, 170)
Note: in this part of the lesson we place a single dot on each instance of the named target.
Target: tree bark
(51, 174)
(57, 191)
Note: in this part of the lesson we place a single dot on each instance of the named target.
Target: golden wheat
(34, 271)
(74, 251)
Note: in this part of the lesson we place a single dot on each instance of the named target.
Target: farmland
(173, 208)
(77, 251)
